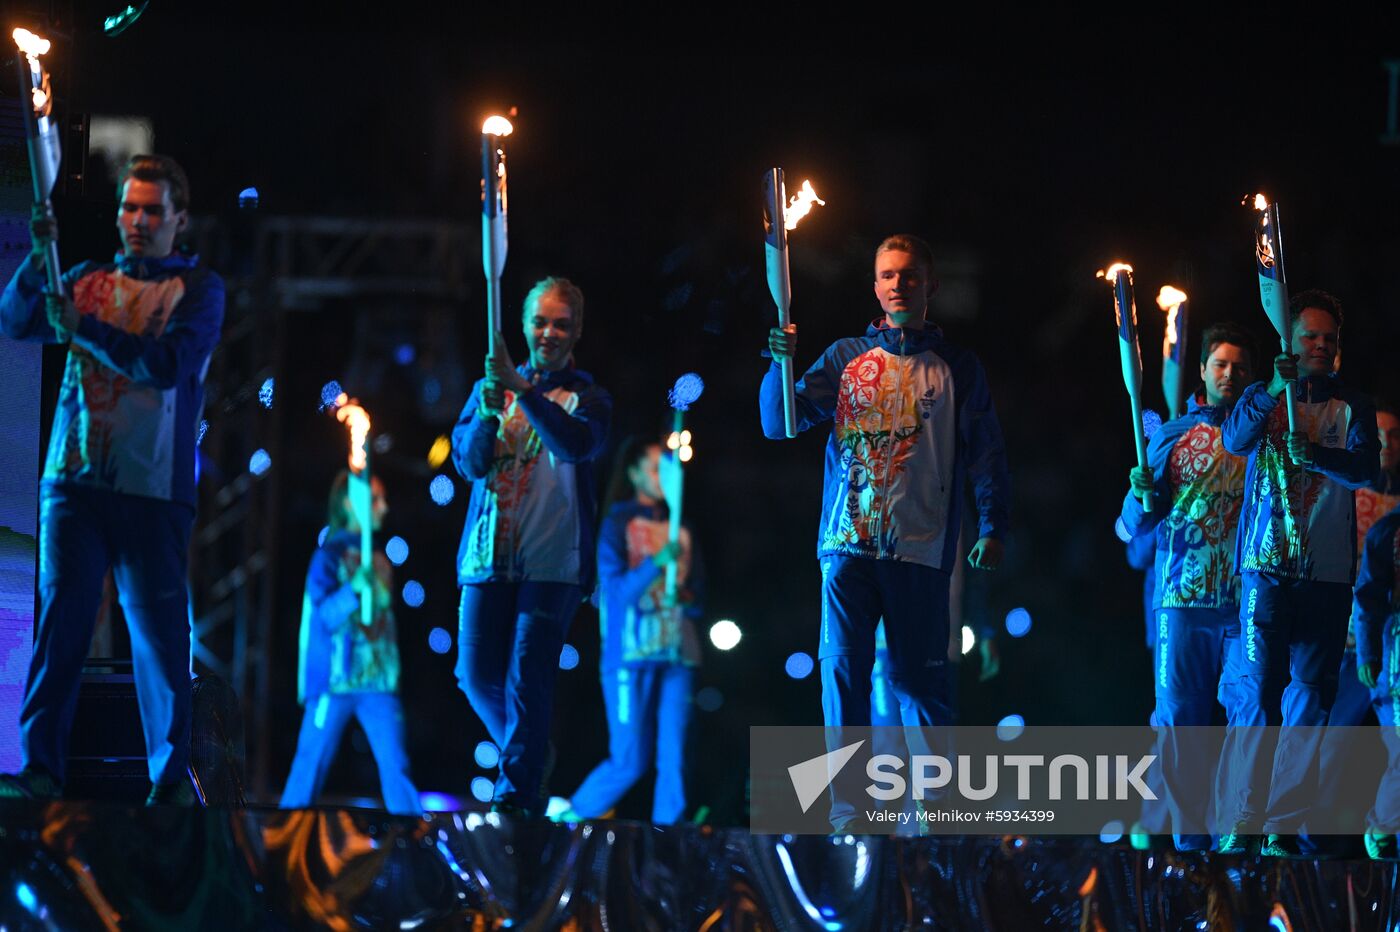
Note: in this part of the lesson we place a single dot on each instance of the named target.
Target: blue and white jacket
(912, 417)
(1197, 494)
(532, 509)
(339, 653)
(1376, 604)
(133, 385)
(635, 624)
(1300, 522)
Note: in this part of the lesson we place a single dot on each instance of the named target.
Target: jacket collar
(143, 267)
(904, 341)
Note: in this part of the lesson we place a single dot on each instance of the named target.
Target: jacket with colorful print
(1374, 501)
(1300, 522)
(133, 385)
(1198, 491)
(532, 509)
(912, 416)
(636, 626)
(339, 653)
(1376, 604)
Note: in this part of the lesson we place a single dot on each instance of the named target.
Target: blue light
(26, 897)
(404, 354)
(259, 462)
(1018, 622)
(487, 755)
(329, 393)
(413, 593)
(248, 198)
(440, 641)
(483, 788)
(799, 666)
(199, 434)
(442, 490)
(440, 802)
(321, 537)
(568, 657)
(265, 393)
(709, 699)
(686, 391)
(396, 550)
(1112, 832)
(1010, 728)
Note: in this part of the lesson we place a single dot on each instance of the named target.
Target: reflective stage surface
(77, 866)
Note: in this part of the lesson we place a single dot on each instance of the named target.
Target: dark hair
(1315, 297)
(1226, 333)
(338, 502)
(567, 291)
(629, 453)
(908, 242)
(1386, 406)
(157, 168)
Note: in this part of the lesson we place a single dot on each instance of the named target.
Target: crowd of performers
(1251, 543)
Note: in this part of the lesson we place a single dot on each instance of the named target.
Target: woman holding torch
(348, 667)
(526, 441)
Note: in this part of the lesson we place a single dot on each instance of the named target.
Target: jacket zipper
(889, 456)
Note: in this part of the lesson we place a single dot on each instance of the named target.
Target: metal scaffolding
(273, 267)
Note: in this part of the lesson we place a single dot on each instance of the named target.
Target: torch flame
(800, 205)
(31, 45)
(1261, 202)
(357, 419)
(1110, 274)
(1170, 298)
(41, 100)
(496, 126)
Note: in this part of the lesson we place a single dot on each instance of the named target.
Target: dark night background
(635, 170)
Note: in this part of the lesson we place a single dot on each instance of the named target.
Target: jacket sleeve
(180, 351)
(815, 394)
(333, 603)
(1358, 464)
(1245, 425)
(615, 577)
(1375, 586)
(22, 314)
(1136, 519)
(573, 438)
(474, 439)
(986, 455)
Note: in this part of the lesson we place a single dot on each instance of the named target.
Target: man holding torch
(1295, 552)
(118, 488)
(526, 440)
(1198, 490)
(912, 419)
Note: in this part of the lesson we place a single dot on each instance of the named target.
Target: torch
(780, 216)
(1273, 284)
(356, 418)
(493, 218)
(41, 134)
(683, 394)
(1173, 302)
(1120, 276)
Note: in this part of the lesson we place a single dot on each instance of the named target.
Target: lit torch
(1273, 284)
(1120, 276)
(356, 418)
(1173, 302)
(41, 134)
(686, 392)
(779, 216)
(493, 218)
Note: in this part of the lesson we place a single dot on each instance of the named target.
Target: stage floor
(74, 866)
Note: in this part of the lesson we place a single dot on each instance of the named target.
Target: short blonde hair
(567, 291)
